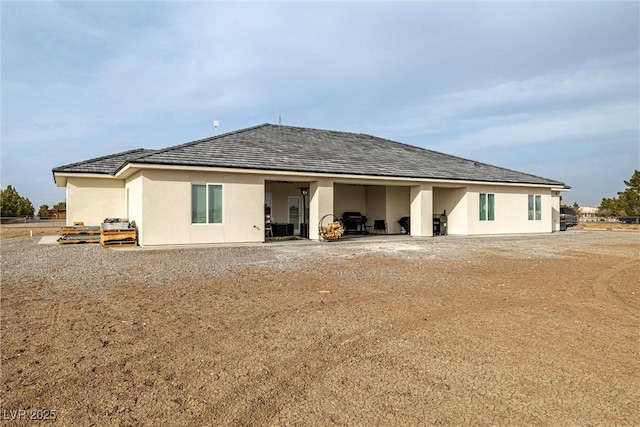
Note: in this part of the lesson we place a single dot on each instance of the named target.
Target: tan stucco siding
(421, 210)
(376, 204)
(453, 201)
(511, 210)
(279, 194)
(398, 204)
(166, 208)
(321, 196)
(159, 201)
(555, 210)
(243, 205)
(350, 198)
(133, 202)
(279, 198)
(91, 200)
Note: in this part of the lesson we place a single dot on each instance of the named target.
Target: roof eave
(60, 178)
(129, 168)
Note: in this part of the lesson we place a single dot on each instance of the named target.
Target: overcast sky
(548, 88)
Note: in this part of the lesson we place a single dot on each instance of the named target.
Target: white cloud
(451, 76)
(589, 99)
(565, 126)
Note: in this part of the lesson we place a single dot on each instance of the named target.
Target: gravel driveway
(81, 264)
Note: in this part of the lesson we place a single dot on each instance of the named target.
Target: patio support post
(320, 204)
(422, 210)
(555, 210)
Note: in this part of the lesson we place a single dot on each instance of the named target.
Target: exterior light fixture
(304, 227)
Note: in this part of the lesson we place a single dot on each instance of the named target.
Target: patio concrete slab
(48, 240)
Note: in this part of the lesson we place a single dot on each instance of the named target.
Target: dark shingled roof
(107, 165)
(287, 148)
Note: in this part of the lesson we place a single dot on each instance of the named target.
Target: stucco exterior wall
(376, 203)
(133, 203)
(159, 201)
(243, 208)
(421, 210)
(280, 194)
(91, 200)
(397, 206)
(349, 198)
(454, 202)
(321, 197)
(166, 208)
(511, 211)
(555, 210)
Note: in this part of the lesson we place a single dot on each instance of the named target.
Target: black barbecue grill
(354, 222)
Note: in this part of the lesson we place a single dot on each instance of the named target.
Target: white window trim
(206, 194)
(535, 212)
(486, 210)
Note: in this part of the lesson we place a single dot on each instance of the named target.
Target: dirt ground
(369, 340)
(11, 232)
(609, 226)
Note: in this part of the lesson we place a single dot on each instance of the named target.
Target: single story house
(218, 189)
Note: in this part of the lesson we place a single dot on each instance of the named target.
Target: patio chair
(379, 225)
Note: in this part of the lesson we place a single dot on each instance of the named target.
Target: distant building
(56, 214)
(588, 214)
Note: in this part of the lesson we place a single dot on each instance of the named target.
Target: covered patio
(298, 207)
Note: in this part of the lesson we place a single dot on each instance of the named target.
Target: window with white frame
(206, 203)
(535, 207)
(487, 206)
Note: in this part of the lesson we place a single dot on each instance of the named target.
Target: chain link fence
(30, 222)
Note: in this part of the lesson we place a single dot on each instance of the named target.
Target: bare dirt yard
(518, 330)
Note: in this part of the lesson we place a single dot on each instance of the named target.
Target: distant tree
(576, 206)
(43, 212)
(610, 207)
(630, 197)
(60, 206)
(627, 202)
(12, 204)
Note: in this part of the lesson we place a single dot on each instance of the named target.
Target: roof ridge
(322, 130)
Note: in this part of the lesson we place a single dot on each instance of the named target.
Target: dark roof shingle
(296, 149)
(107, 165)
